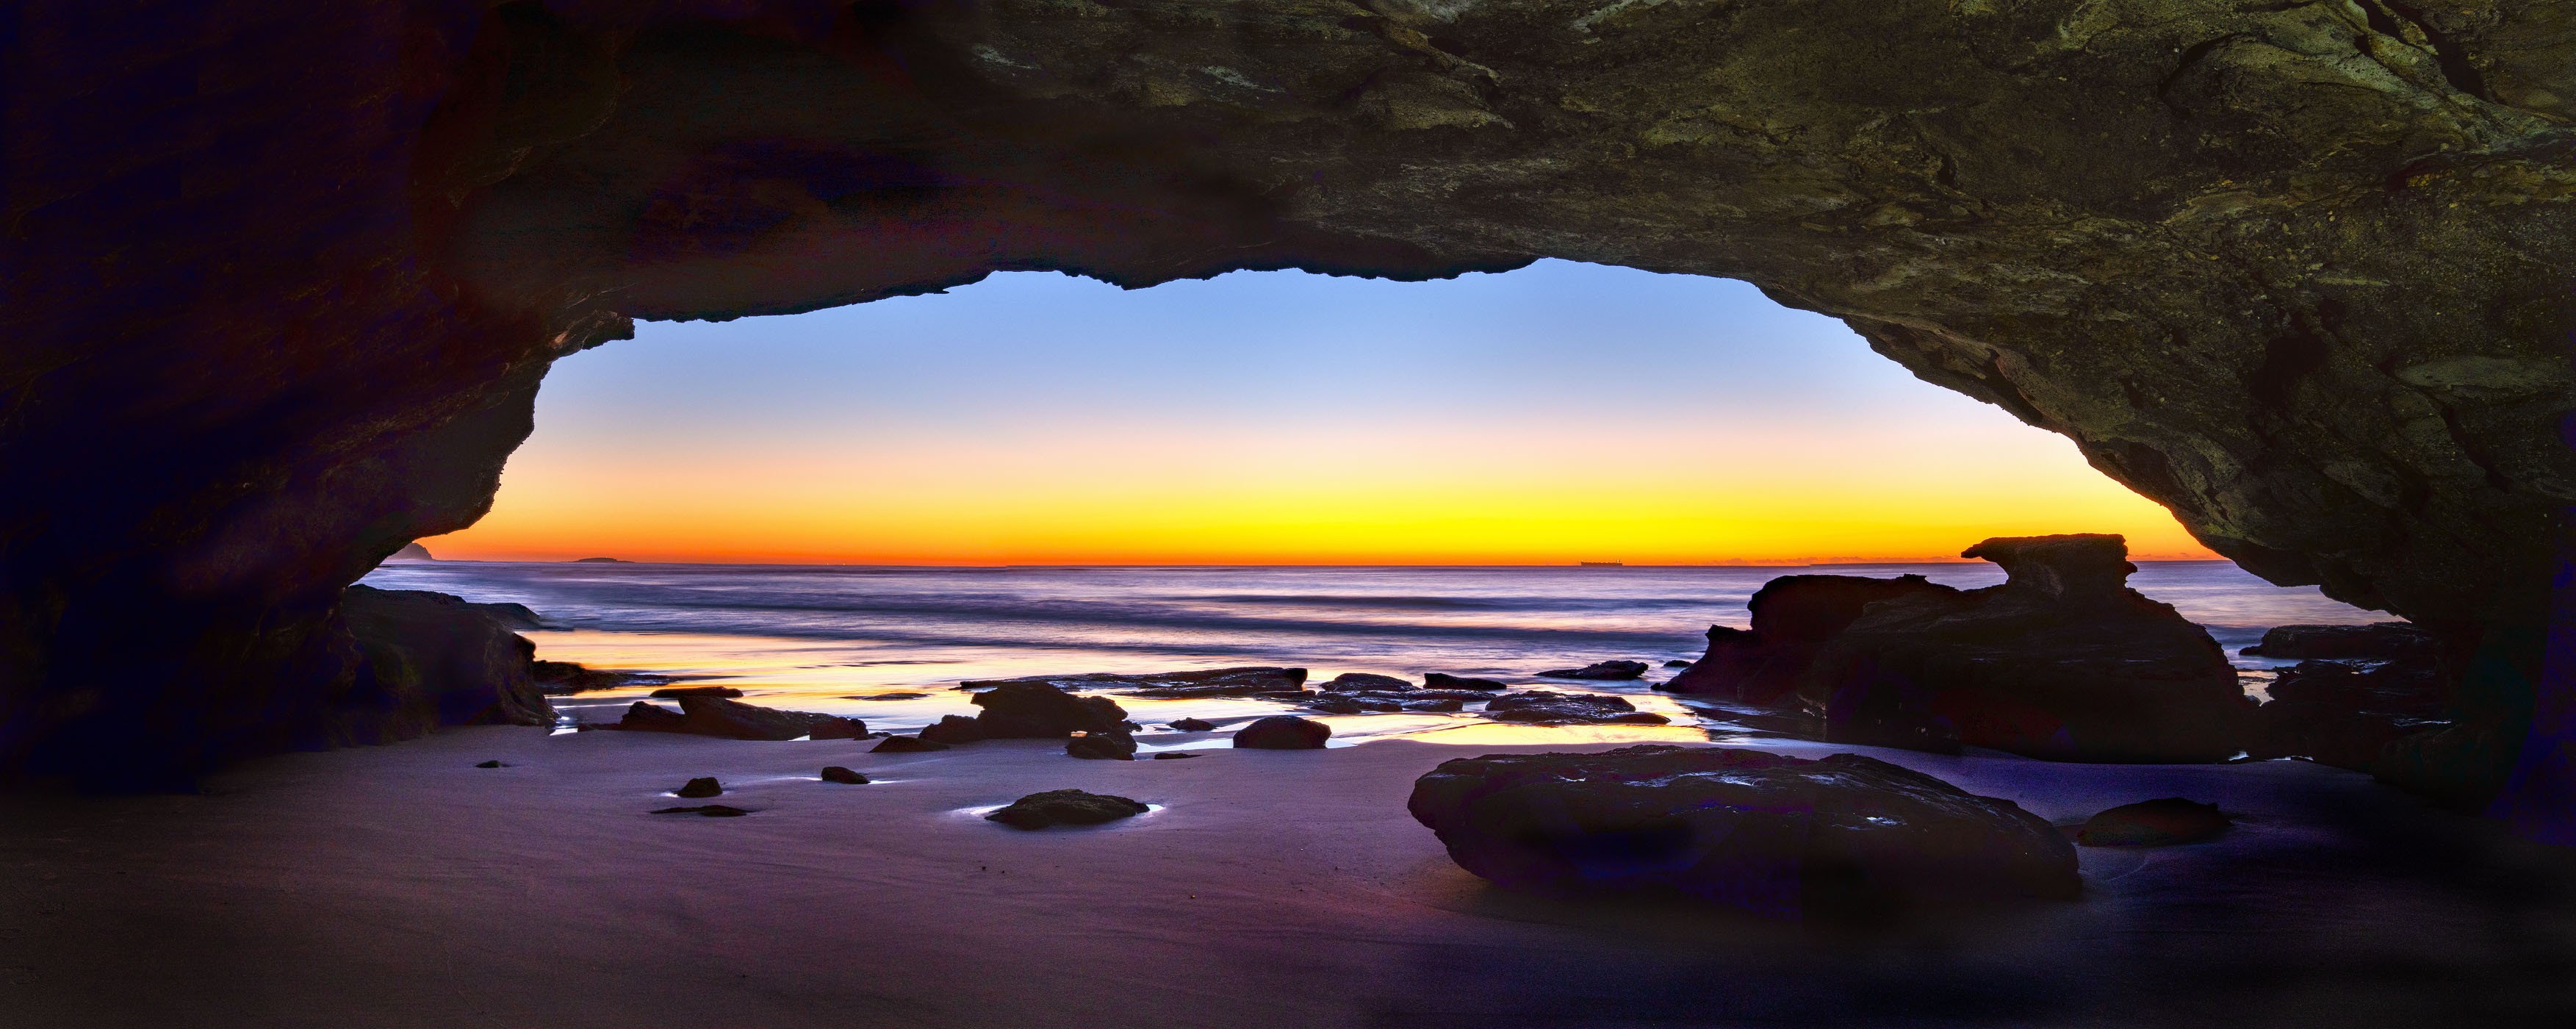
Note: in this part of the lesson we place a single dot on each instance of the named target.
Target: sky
(1564, 412)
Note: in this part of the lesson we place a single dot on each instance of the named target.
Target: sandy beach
(402, 885)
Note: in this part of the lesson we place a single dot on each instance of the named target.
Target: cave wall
(2299, 271)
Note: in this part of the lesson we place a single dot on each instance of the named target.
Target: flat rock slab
(1363, 703)
(1446, 681)
(2153, 823)
(1775, 836)
(1065, 807)
(1208, 682)
(1601, 670)
(1365, 682)
(1542, 707)
(704, 715)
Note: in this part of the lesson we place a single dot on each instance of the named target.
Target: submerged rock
(1210, 682)
(1544, 707)
(905, 745)
(707, 810)
(2377, 641)
(702, 786)
(2153, 823)
(1065, 807)
(1776, 836)
(1027, 709)
(1794, 616)
(1193, 725)
(1283, 732)
(1601, 670)
(704, 715)
(2062, 662)
(843, 776)
(954, 729)
(1102, 746)
(1365, 682)
(1446, 681)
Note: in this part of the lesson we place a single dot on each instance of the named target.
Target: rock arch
(283, 285)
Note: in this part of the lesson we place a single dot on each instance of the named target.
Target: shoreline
(402, 885)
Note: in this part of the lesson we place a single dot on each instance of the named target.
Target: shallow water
(852, 640)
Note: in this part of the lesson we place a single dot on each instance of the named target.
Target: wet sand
(400, 885)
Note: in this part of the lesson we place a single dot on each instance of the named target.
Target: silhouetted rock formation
(1775, 836)
(905, 745)
(2347, 715)
(703, 715)
(1600, 670)
(1283, 732)
(1193, 725)
(1446, 681)
(1212, 682)
(1065, 807)
(2063, 661)
(2377, 641)
(843, 776)
(564, 677)
(1020, 709)
(1364, 682)
(2296, 271)
(2153, 823)
(1546, 708)
(954, 729)
(412, 552)
(1101, 746)
(1793, 617)
(672, 692)
(699, 788)
(429, 659)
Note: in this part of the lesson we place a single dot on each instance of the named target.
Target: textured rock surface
(1549, 708)
(1775, 836)
(1283, 732)
(1793, 616)
(1035, 710)
(430, 659)
(703, 715)
(2063, 661)
(2296, 270)
(1065, 807)
(2379, 641)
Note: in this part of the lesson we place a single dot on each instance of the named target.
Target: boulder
(954, 729)
(1446, 681)
(1780, 837)
(843, 776)
(430, 659)
(704, 715)
(1794, 616)
(2153, 823)
(1543, 707)
(1364, 682)
(490, 764)
(1025, 709)
(2380, 641)
(1193, 725)
(905, 745)
(702, 786)
(1600, 670)
(675, 692)
(1283, 732)
(1065, 807)
(2061, 662)
(1101, 746)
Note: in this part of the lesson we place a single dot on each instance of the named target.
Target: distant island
(412, 552)
(1601, 564)
(600, 560)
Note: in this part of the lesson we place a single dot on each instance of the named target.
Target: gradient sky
(1564, 412)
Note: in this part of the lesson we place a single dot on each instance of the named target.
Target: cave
(282, 286)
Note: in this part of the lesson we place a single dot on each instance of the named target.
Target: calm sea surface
(885, 644)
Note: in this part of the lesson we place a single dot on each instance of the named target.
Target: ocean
(888, 644)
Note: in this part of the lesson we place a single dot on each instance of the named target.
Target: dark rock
(953, 729)
(2061, 662)
(1601, 670)
(2328, 734)
(429, 659)
(1283, 732)
(702, 786)
(704, 715)
(1173, 755)
(1212, 682)
(707, 810)
(486, 764)
(1363, 682)
(670, 692)
(561, 677)
(1794, 616)
(516, 617)
(2153, 823)
(1543, 707)
(1065, 807)
(600, 561)
(2377, 641)
(1677, 664)
(885, 696)
(2411, 688)
(1364, 703)
(1845, 836)
(905, 745)
(1193, 725)
(1446, 681)
(1101, 746)
(843, 776)
(411, 551)
(1026, 709)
